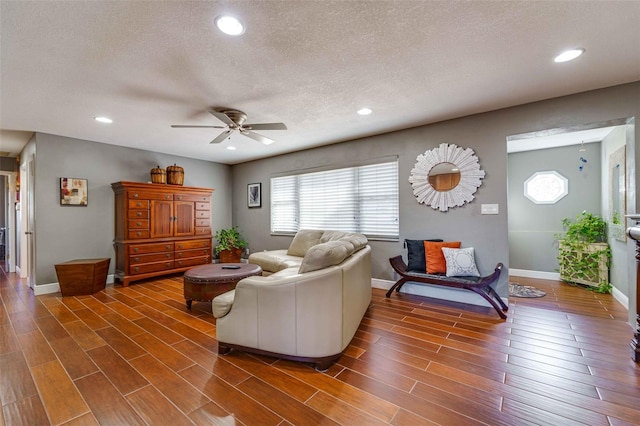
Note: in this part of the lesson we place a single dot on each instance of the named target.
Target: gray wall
(485, 133)
(532, 227)
(64, 233)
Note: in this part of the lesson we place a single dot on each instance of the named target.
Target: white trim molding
(55, 287)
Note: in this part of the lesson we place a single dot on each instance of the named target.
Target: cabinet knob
(136, 269)
(179, 197)
(168, 246)
(168, 264)
(139, 205)
(137, 259)
(136, 249)
(166, 197)
(179, 245)
(138, 233)
(168, 255)
(139, 214)
(135, 195)
(179, 254)
(138, 223)
(179, 263)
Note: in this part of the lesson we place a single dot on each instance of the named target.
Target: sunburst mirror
(446, 177)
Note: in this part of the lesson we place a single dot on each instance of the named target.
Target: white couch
(308, 305)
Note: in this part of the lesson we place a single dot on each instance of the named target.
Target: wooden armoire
(160, 229)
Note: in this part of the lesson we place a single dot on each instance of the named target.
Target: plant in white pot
(230, 245)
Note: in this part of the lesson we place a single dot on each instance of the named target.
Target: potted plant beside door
(230, 245)
(583, 252)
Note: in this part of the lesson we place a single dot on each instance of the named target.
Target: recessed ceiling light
(231, 148)
(103, 119)
(568, 55)
(229, 25)
(365, 111)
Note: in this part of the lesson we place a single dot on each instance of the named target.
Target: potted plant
(230, 245)
(583, 253)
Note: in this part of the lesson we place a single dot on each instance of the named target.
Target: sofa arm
(300, 314)
(222, 304)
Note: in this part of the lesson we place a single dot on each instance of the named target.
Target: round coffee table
(204, 283)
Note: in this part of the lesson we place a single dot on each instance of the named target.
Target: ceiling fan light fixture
(568, 55)
(101, 119)
(365, 111)
(230, 25)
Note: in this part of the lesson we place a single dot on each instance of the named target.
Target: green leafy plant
(583, 254)
(229, 239)
(604, 287)
(587, 228)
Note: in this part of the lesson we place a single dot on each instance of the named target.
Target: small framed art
(73, 192)
(254, 195)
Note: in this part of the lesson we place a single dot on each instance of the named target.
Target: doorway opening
(581, 156)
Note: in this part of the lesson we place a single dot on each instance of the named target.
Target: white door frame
(10, 218)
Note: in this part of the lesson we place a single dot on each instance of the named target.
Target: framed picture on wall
(254, 195)
(73, 192)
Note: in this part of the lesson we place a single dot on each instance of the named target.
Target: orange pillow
(435, 258)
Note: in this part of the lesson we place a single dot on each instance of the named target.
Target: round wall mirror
(444, 176)
(437, 183)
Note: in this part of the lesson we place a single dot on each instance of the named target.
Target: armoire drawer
(148, 258)
(150, 248)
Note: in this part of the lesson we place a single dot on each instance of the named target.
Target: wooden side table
(82, 276)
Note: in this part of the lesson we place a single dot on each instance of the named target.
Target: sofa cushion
(274, 260)
(222, 304)
(326, 254)
(303, 241)
(358, 241)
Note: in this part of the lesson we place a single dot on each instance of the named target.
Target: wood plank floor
(135, 355)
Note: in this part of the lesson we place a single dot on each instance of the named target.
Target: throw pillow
(415, 255)
(460, 262)
(434, 257)
(323, 255)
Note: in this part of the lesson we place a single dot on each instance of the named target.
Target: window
(546, 187)
(360, 199)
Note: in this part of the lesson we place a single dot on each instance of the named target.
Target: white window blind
(360, 199)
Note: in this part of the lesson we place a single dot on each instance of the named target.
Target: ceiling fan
(234, 121)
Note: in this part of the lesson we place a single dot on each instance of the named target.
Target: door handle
(28, 233)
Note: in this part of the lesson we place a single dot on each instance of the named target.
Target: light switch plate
(489, 209)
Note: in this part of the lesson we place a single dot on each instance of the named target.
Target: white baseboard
(535, 274)
(436, 292)
(55, 287)
(620, 297)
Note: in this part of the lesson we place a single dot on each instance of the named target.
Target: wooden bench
(479, 285)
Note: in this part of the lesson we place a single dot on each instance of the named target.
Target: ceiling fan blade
(257, 137)
(187, 126)
(265, 126)
(221, 137)
(222, 117)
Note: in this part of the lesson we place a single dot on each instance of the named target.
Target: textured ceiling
(309, 64)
